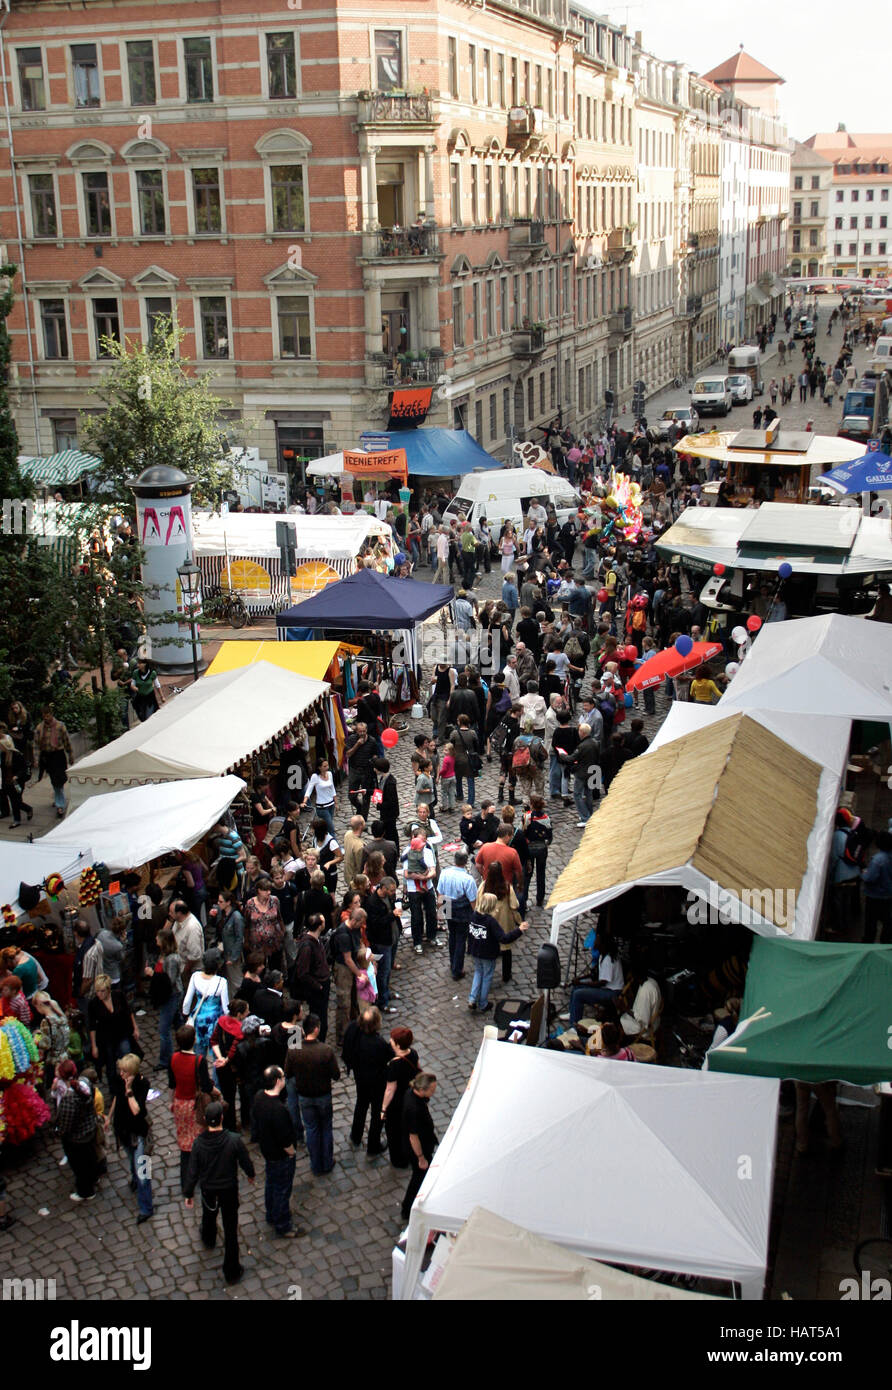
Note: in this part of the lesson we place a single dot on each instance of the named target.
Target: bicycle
(226, 606)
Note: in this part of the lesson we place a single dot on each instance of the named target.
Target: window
(856, 194)
(295, 338)
(503, 304)
(141, 72)
(458, 316)
(199, 70)
(514, 90)
(837, 249)
(882, 248)
(541, 393)
(33, 92)
(813, 209)
(55, 331)
(214, 326)
(472, 70)
(797, 182)
(884, 195)
(455, 192)
(150, 198)
(206, 195)
(503, 193)
(487, 77)
(493, 416)
(868, 194)
(43, 205)
(868, 221)
(475, 195)
(549, 92)
(476, 327)
(388, 59)
(65, 433)
(813, 238)
(526, 83)
(287, 189)
(500, 80)
(837, 221)
(106, 324)
(552, 388)
(853, 223)
(868, 248)
(159, 314)
(506, 408)
(85, 70)
(490, 310)
(816, 181)
(853, 248)
(537, 89)
(97, 206)
(565, 96)
(452, 60)
(839, 195)
(884, 221)
(487, 192)
(281, 66)
(478, 420)
(531, 399)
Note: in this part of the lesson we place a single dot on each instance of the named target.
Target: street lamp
(189, 575)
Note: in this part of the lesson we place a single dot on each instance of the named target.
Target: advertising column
(164, 522)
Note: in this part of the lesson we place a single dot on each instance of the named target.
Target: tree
(156, 414)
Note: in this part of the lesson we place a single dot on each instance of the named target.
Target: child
(466, 826)
(447, 777)
(415, 862)
(366, 980)
(424, 784)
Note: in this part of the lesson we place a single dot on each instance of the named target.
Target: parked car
(805, 327)
(687, 419)
(741, 388)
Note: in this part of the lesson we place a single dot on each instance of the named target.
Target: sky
(835, 71)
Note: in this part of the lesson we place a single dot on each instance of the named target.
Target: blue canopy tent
(366, 602)
(430, 453)
(870, 473)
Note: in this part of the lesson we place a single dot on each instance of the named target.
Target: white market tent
(204, 732)
(533, 1127)
(832, 665)
(335, 539)
(823, 738)
(32, 863)
(749, 832)
(128, 828)
(495, 1259)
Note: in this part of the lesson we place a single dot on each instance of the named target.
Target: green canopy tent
(59, 470)
(813, 1011)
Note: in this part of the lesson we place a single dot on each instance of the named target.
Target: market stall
(32, 863)
(723, 786)
(815, 1011)
(534, 1127)
(218, 725)
(771, 465)
(430, 453)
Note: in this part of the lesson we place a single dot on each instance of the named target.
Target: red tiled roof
(741, 68)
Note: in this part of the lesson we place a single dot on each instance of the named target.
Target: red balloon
(631, 653)
(718, 570)
(603, 596)
(753, 623)
(390, 738)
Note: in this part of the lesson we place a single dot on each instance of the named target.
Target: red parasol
(671, 663)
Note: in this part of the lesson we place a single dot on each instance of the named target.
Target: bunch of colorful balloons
(623, 506)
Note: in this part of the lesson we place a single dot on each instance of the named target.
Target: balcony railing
(396, 371)
(692, 306)
(525, 238)
(620, 247)
(620, 322)
(392, 108)
(528, 342)
(405, 243)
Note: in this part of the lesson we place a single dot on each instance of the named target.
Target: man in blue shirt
(459, 893)
(877, 880)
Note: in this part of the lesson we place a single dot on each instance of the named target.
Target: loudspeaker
(548, 967)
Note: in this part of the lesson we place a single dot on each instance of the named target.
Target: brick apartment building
(332, 201)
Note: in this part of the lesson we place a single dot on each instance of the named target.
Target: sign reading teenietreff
(409, 405)
(391, 463)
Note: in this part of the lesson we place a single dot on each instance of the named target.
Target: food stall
(772, 465)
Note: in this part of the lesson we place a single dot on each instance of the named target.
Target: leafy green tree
(156, 414)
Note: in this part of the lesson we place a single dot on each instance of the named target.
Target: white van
(882, 354)
(504, 494)
(711, 395)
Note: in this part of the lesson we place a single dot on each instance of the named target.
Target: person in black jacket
(389, 810)
(129, 1117)
(485, 938)
(276, 1137)
(367, 1055)
(361, 755)
(216, 1158)
(419, 1136)
(382, 926)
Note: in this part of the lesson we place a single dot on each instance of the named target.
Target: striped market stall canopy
(59, 470)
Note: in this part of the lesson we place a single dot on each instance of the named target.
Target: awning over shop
(705, 536)
(205, 732)
(756, 298)
(368, 602)
(832, 664)
(724, 783)
(430, 453)
(33, 863)
(533, 1126)
(813, 1011)
(303, 658)
(59, 470)
(128, 828)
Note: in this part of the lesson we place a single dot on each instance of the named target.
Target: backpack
(498, 737)
(857, 840)
(573, 649)
(521, 756)
(327, 938)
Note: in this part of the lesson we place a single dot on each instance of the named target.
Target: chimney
(841, 128)
(638, 38)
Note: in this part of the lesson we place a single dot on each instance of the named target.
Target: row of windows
(813, 240)
(814, 210)
(286, 205)
(495, 80)
(798, 181)
(656, 148)
(615, 204)
(655, 219)
(866, 248)
(614, 127)
(500, 304)
(882, 221)
(488, 193)
(292, 323)
(855, 195)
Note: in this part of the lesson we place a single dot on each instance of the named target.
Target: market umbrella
(671, 663)
(872, 473)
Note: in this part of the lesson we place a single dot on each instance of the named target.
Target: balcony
(693, 242)
(526, 239)
(405, 243)
(692, 307)
(524, 124)
(395, 108)
(619, 245)
(405, 369)
(619, 326)
(528, 342)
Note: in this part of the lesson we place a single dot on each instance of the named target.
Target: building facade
(859, 203)
(808, 248)
(656, 268)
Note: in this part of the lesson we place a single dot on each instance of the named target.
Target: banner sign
(390, 464)
(374, 443)
(409, 405)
